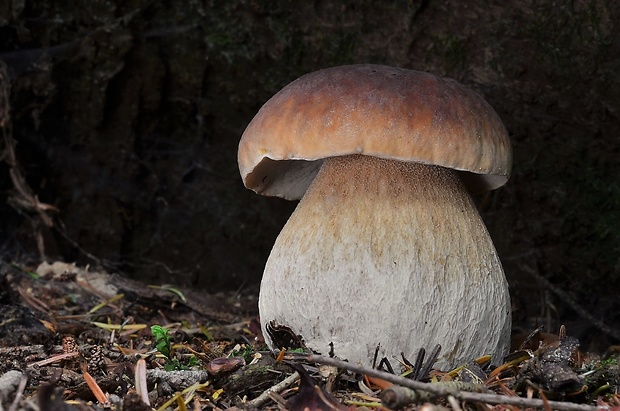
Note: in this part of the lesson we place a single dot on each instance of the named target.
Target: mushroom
(386, 247)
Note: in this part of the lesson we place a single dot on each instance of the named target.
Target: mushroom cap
(373, 110)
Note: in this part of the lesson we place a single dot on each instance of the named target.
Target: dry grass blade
(175, 398)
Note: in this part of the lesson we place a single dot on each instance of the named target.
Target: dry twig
(279, 387)
(176, 379)
(442, 391)
(573, 304)
(397, 396)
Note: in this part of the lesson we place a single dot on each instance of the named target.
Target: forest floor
(74, 338)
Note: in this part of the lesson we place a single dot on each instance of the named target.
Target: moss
(454, 53)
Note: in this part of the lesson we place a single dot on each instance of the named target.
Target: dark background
(125, 115)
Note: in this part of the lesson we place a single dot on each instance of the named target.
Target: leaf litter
(72, 338)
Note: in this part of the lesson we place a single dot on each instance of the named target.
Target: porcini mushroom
(386, 247)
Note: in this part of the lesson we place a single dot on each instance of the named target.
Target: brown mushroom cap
(372, 110)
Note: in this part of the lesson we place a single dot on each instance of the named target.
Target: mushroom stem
(392, 253)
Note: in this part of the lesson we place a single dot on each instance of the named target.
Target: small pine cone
(69, 345)
(96, 360)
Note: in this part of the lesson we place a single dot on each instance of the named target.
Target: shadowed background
(125, 116)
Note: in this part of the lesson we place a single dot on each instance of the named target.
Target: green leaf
(162, 340)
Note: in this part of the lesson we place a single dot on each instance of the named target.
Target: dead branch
(176, 379)
(22, 198)
(564, 296)
(278, 388)
(398, 396)
(443, 391)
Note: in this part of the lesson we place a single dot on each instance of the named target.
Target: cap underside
(372, 110)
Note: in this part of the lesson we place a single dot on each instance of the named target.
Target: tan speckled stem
(391, 253)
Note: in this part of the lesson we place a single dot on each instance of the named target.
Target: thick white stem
(390, 253)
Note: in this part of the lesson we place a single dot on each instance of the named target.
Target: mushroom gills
(389, 253)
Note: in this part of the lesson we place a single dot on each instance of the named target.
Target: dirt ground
(72, 338)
